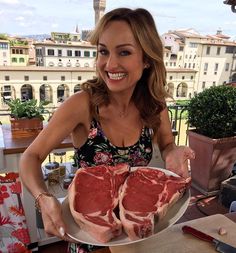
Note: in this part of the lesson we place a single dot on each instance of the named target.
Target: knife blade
(219, 246)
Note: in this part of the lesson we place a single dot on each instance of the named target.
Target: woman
(117, 116)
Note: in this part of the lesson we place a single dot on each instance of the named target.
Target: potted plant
(212, 114)
(26, 117)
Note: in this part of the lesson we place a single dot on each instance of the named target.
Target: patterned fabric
(99, 150)
(14, 235)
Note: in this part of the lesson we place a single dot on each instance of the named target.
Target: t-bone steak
(146, 195)
(93, 195)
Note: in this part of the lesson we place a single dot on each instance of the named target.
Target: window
(203, 85)
(193, 45)
(214, 83)
(205, 66)
(193, 65)
(167, 54)
(69, 52)
(229, 50)
(189, 65)
(181, 48)
(79, 78)
(183, 77)
(14, 59)
(191, 77)
(59, 52)
(22, 60)
(208, 50)
(50, 51)
(77, 53)
(45, 78)
(216, 66)
(94, 53)
(26, 78)
(218, 50)
(7, 78)
(185, 65)
(63, 78)
(171, 77)
(86, 54)
(226, 66)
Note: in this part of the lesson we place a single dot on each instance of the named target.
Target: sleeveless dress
(99, 150)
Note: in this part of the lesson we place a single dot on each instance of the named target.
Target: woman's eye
(124, 53)
(103, 52)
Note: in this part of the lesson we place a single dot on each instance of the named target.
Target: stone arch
(27, 92)
(77, 88)
(182, 90)
(62, 92)
(45, 93)
(170, 89)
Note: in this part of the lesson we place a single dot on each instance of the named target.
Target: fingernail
(61, 231)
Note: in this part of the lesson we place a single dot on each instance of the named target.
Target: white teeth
(116, 76)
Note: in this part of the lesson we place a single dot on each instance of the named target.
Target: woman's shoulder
(80, 99)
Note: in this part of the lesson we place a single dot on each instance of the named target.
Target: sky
(27, 17)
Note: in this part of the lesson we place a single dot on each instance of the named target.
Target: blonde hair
(149, 94)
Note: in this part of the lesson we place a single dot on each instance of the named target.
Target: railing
(178, 117)
(177, 113)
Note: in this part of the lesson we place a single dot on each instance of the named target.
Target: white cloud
(9, 2)
(54, 25)
(19, 18)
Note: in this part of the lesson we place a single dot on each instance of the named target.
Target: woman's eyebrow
(118, 46)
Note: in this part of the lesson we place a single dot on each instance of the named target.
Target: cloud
(10, 2)
(54, 26)
(19, 18)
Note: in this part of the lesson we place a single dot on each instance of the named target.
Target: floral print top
(99, 150)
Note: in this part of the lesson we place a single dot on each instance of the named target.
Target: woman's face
(120, 58)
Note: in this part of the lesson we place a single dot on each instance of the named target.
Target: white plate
(172, 216)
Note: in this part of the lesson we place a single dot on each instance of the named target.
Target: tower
(99, 8)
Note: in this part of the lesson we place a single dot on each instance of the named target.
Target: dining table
(173, 239)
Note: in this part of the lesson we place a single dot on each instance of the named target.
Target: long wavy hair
(150, 93)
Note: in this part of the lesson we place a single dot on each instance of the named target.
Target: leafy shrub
(213, 112)
(27, 109)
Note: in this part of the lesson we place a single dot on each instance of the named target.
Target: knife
(219, 246)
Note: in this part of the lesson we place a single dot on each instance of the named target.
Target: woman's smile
(116, 76)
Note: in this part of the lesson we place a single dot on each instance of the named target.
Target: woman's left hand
(176, 160)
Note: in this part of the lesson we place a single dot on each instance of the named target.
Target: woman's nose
(112, 62)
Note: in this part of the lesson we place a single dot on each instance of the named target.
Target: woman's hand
(52, 217)
(176, 159)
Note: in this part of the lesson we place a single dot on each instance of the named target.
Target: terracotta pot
(25, 127)
(213, 163)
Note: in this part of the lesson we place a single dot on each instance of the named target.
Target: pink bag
(14, 234)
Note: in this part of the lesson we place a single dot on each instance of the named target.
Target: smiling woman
(116, 117)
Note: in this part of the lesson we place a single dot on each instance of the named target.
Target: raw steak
(93, 196)
(147, 194)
